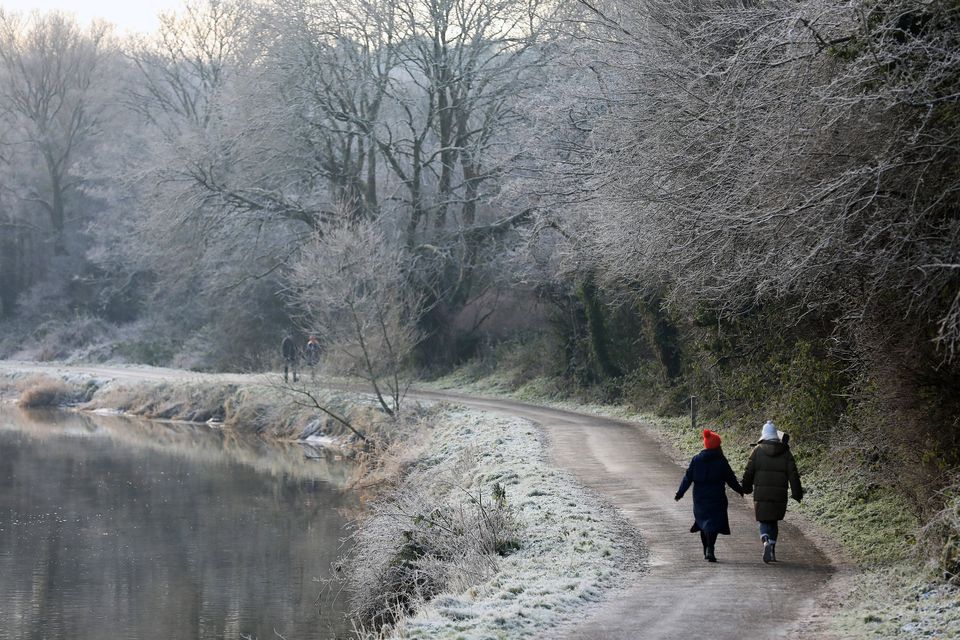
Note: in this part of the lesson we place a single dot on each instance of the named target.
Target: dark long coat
(770, 470)
(289, 348)
(709, 472)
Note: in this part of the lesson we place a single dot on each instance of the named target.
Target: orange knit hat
(711, 440)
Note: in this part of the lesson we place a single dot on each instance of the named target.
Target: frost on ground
(573, 548)
(917, 608)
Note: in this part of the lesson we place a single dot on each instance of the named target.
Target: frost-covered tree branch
(352, 287)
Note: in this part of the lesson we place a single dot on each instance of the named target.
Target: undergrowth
(475, 535)
(429, 536)
(43, 391)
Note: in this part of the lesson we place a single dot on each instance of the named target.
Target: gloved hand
(677, 497)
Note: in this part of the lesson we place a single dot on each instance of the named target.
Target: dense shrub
(943, 532)
(156, 351)
(61, 339)
(428, 536)
(42, 391)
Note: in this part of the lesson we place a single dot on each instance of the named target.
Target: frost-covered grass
(914, 607)
(572, 549)
(33, 391)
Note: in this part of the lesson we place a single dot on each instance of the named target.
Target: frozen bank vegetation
(482, 538)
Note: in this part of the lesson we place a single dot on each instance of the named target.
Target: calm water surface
(112, 528)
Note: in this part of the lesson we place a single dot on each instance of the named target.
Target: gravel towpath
(680, 596)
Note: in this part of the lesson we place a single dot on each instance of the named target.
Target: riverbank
(556, 549)
(498, 542)
(261, 404)
(883, 588)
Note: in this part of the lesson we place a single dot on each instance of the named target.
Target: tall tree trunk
(470, 168)
(447, 154)
(56, 206)
(370, 194)
(472, 189)
(8, 272)
(415, 187)
(597, 328)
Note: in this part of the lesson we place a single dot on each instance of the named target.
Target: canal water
(116, 528)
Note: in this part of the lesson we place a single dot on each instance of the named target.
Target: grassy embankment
(894, 594)
(276, 411)
(475, 535)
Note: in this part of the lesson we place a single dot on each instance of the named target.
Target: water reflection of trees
(199, 443)
(160, 531)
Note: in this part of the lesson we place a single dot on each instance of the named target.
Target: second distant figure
(312, 352)
(709, 473)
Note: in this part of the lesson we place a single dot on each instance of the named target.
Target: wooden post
(693, 412)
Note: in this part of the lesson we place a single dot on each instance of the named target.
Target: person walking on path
(709, 472)
(312, 352)
(290, 357)
(770, 470)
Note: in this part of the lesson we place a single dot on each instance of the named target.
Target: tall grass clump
(428, 536)
(42, 391)
(943, 534)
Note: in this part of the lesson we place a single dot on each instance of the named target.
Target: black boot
(773, 553)
(709, 555)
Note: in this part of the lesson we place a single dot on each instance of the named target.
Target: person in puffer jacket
(770, 471)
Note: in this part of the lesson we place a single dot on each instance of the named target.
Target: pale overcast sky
(128, 15)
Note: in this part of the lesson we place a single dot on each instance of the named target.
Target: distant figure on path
(290, 358)
(313, 355)
(770, 470)
(709, 472)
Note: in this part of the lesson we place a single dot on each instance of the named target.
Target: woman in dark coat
(709, 472)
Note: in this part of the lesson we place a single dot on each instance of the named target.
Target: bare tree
(352, 285)
(51, 85)
(332, 65)
(463, 65)
(190, 88)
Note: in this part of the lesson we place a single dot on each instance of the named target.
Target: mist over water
(116, 528)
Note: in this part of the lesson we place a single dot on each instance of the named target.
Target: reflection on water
(118, 528)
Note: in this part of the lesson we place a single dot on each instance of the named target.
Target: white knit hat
(769, 432)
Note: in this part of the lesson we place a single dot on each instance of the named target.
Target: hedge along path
(680, 595)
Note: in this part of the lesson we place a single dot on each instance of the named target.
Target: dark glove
(677, 497)
(798, 497)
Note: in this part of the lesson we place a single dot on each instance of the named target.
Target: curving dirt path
(680, 595)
